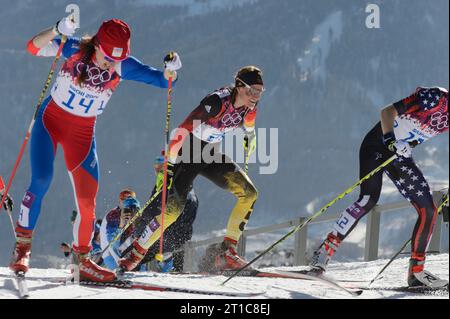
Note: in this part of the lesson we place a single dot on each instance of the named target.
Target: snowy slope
(42, 283)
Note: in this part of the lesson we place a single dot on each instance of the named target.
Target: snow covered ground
(42, 283)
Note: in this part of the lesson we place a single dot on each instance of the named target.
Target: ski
(128, 284)
(337, 280)
(256, 273)
(244, 273)
(288, 274)
(353, 291)
(416, 290)
(21, 284)
(131, 284)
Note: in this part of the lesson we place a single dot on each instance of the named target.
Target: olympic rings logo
(95, 75)
(232, 119)
(439, 120)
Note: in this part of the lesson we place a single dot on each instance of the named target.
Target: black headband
(251, 77)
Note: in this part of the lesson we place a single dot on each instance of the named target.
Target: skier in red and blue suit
(92, 71)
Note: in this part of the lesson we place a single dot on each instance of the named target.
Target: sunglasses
(131, 211)
(253, 92)
(108, 59)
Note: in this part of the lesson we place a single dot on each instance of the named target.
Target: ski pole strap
(320, 212)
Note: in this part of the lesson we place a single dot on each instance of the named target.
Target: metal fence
(301, 236)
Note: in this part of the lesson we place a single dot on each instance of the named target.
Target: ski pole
(317, 214)
(159, 257)
(155, 195)
(246, 161)
(38, 106)
(444, 202)
(8, 211)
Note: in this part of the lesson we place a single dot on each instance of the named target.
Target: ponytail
(87, 47)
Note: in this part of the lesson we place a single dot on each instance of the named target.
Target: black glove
(66, 249)
(389, 141)
(445, 212)
(172, 61)
(169, 57)
(9, 203)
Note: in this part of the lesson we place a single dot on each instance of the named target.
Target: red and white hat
(113, 38)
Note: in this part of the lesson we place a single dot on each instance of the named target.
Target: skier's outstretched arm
(135, 70)
(43, 38)
(45, 44)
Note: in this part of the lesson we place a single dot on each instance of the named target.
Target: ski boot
(221, 257)
(132, 260)
(227, 258)
(323, 255)
(88, 270)
(22, 251)
(418, 277)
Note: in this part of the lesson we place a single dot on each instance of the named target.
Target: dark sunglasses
(108, 59)
(129, 210)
